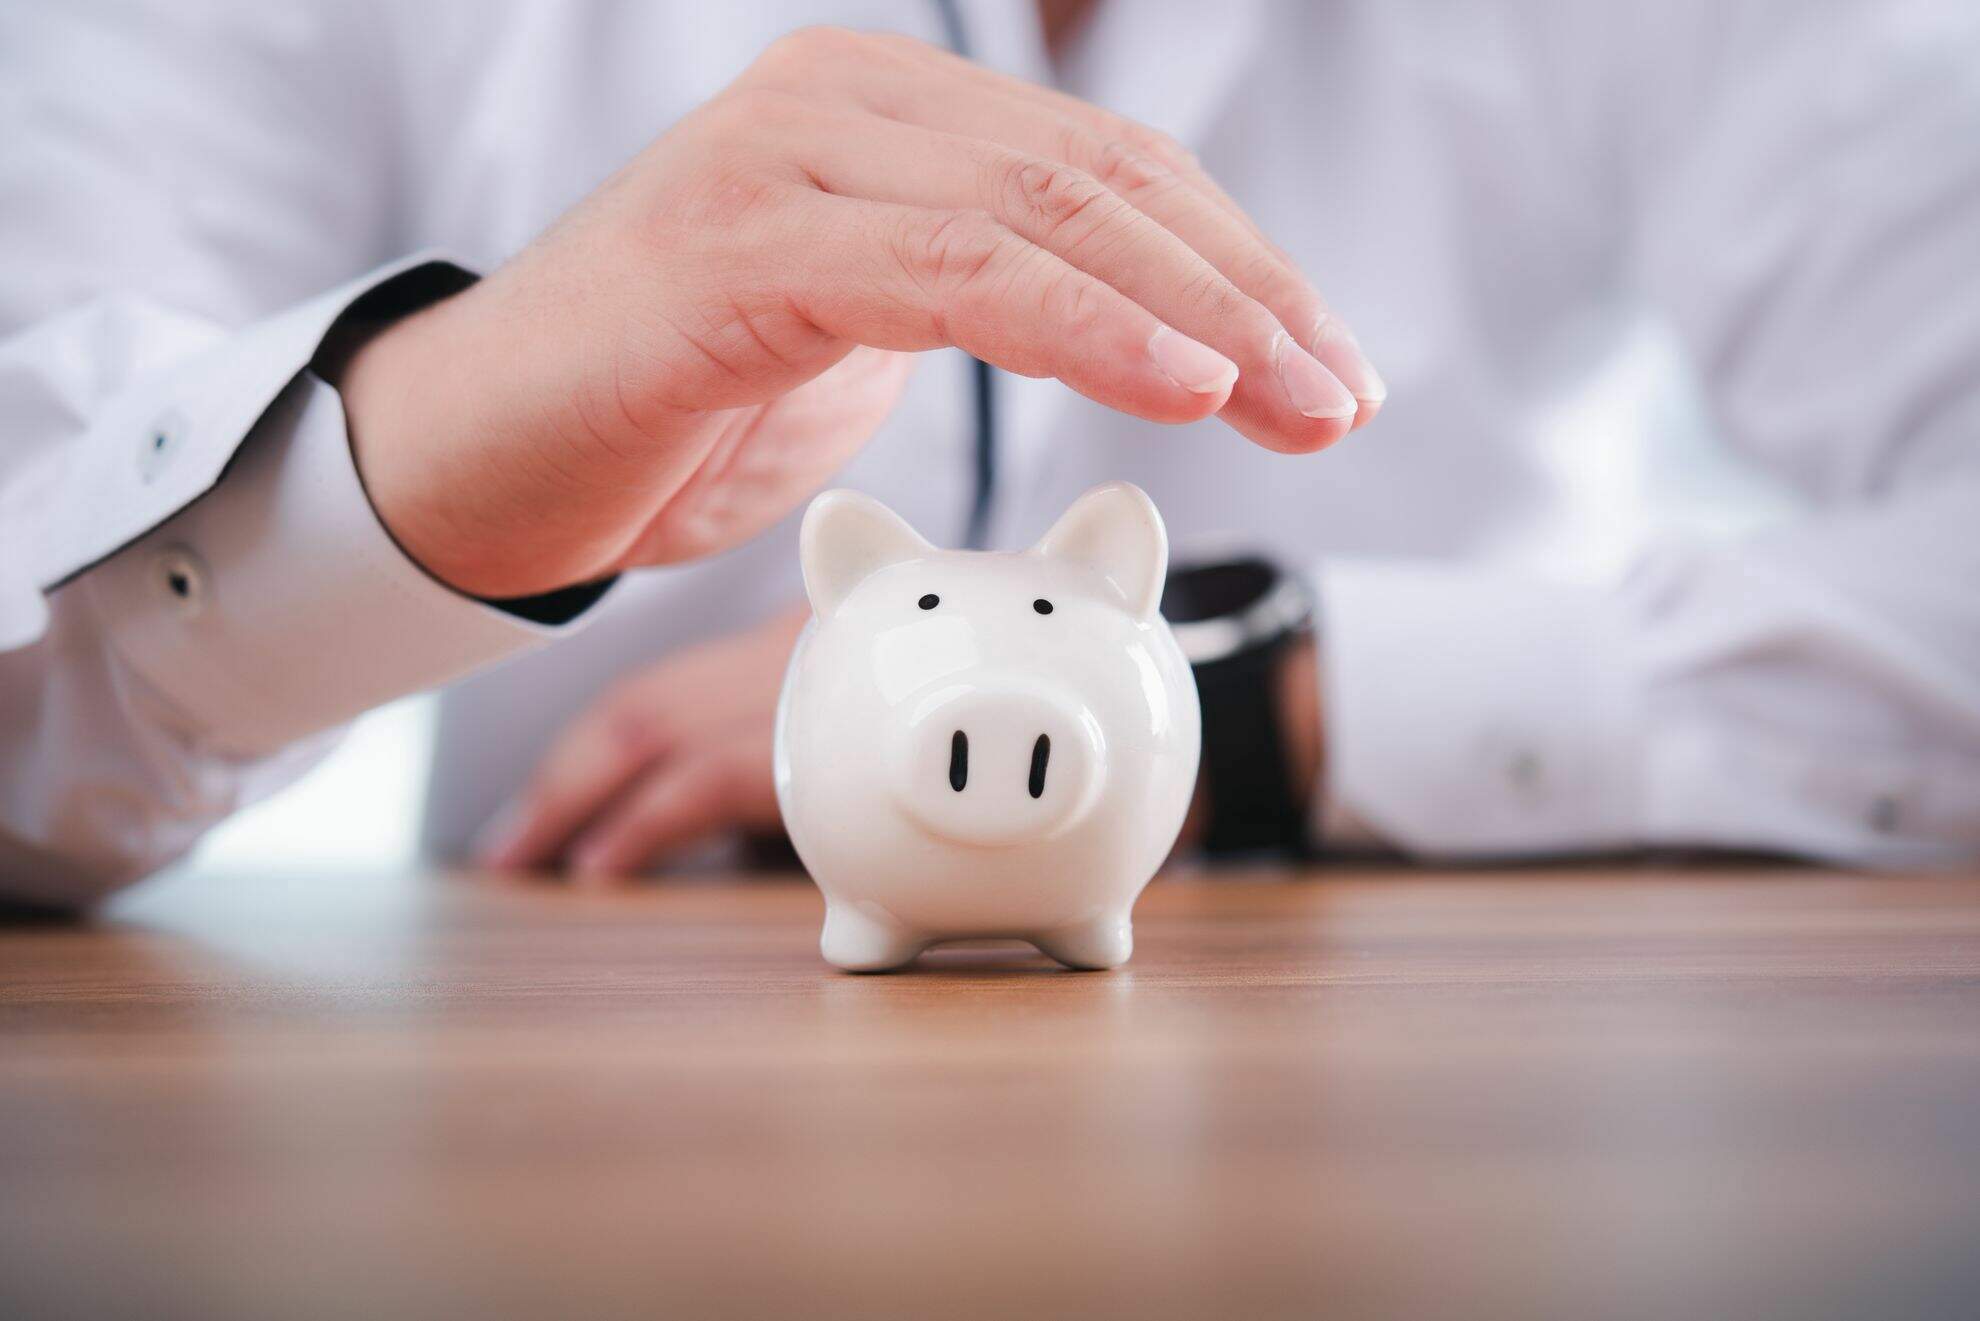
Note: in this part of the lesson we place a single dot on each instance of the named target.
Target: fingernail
(1314, 391)
(1197, 368)
(1335, 345)
(498, 835)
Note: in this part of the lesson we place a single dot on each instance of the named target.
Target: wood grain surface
(1576, 1093)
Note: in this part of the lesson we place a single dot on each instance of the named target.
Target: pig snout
(998, 762)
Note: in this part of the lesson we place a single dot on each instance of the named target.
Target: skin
(698, 345)
(671, 755)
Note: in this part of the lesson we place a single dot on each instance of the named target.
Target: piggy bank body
(974, 744)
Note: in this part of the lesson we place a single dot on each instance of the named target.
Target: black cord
(978, 533)
(982, 375)
(954, 31)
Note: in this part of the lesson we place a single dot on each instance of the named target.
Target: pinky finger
(902, 277)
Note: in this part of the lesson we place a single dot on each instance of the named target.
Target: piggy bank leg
(1104, 942)
(861, 940)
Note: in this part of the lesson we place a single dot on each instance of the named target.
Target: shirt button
(1523, 771)
(1517, 762)
(182, 578)
(159, 445)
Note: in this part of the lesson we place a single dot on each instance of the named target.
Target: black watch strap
(1252, 807)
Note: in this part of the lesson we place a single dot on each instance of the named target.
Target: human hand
(703, 340)
(670, 756)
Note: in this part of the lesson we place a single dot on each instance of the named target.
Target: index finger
(1157, 175)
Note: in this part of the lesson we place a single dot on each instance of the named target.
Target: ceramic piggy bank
(976, 744)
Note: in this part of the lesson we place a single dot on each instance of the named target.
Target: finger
(1283, 397)
(901, 277)
(922, 59)
(1107, 132)
(1200, 213)
(1341, 353)
(585, 770)
(679, 804)
(888, 73)
(901, 78)
(1164, 182)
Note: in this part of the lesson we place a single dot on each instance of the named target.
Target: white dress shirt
(194, 593)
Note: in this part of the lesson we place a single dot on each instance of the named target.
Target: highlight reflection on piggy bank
(975, 744)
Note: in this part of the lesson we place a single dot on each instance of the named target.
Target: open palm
(760, 462)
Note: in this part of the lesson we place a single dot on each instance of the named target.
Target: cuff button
(159, 444)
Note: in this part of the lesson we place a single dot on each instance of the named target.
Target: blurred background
(359, 807)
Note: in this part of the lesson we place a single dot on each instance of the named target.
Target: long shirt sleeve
(194, 590)
(1801, 199)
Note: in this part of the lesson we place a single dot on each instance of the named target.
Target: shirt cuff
(278, 605)
(1476, 713)
(164, 442)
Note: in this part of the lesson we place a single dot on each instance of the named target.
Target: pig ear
(846, 537)
(1115, 531)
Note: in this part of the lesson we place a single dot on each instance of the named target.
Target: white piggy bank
(974, 744)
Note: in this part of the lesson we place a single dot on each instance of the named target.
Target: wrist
(432, 403)
(397, 409)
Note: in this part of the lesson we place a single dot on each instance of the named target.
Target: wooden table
(1656, 1093)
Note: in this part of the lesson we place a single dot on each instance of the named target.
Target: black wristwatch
(1234, 620)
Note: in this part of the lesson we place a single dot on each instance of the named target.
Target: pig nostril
(959, 762)
(1041, 751)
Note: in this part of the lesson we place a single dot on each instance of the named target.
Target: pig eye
(929, 602)
(1042, 606)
